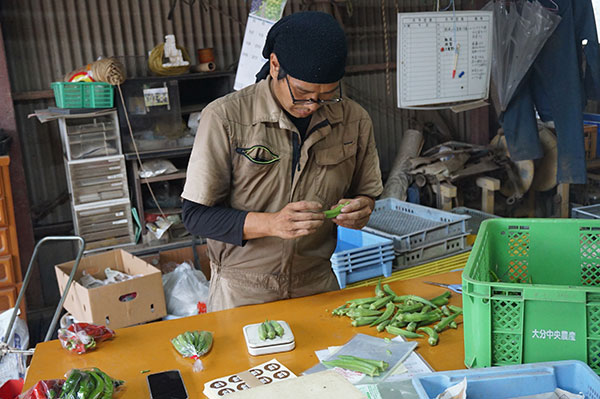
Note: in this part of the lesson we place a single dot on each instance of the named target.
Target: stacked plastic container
(360, 255)
(419, 233)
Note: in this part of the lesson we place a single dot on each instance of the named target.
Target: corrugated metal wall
(47, 38)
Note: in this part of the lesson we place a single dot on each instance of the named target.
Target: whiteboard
(427, 56)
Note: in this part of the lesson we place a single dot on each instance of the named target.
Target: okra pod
(455, 309)
(388, 290)
(277, 327)
(419, 316)
(441, 299)
(416, 299)
(453, 325)
(433, 335)
(360, 312)
(331, 213)
(270, 330)
(378, 291)
(445, 310)
(389, 310)
(381, 302)
(404, 333)
(380, 364)
(412, 326)
(381, 326)
(410, 308)
(338, 311)
(363, 321)
(361, 301)
(444, 323)
(262, 332)
(362, 367)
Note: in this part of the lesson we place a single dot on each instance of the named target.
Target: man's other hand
(356, 214)
(297, 219)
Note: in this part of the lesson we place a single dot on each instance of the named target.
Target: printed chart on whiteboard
(443, 57)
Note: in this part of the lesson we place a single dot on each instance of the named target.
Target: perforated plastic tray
(477, 217)
(412, 226)
(430, 251)
(586, 212)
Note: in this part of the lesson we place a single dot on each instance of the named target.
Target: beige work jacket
(242, 158)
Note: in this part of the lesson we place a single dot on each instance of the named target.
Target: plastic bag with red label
(44, 389)
(83, 337)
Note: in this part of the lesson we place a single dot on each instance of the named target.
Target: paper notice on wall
(263, 15)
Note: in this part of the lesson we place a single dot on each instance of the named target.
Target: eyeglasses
(310, 101)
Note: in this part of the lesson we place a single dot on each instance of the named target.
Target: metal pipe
(9, 331)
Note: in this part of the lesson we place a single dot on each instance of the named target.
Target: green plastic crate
(83, 94)
(546, 306)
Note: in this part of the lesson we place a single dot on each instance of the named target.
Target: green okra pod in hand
(331, 213)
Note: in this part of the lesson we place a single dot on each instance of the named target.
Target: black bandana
(310, 46)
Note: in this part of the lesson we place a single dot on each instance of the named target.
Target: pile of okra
(404, 315)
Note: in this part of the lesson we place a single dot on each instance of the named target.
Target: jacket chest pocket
(335, 168)
(256, 174)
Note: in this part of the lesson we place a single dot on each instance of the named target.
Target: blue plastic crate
(514, 381)
(351, 242)
(360, 255)
(353, 273)
(364, 258)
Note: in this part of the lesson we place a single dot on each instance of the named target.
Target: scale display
(443, 57)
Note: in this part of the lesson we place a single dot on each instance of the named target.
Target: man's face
(292, 93)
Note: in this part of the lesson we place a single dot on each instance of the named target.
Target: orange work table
(148, 346)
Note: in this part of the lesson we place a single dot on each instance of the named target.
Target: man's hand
(295, 220)
(356, 214)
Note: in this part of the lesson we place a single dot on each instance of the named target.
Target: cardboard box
(111, 305)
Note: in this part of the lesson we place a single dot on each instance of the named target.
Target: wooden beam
(33, 95)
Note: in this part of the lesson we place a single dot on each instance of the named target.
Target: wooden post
(447, 193)
(488, 186)
(563, 192)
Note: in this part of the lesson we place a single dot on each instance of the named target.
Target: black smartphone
(166, 385)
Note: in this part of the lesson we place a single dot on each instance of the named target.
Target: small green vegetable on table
(404, 315)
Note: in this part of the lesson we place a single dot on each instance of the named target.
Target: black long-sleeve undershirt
(214, 222)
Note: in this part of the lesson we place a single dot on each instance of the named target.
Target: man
(268, 159)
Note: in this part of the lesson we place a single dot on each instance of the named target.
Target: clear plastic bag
(44, 389)
(90, 383)
(521, 28)
(193, 344)
(186, 291)
(83, 337)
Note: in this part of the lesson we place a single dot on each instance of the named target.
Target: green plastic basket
(546, 306)
(83, 94)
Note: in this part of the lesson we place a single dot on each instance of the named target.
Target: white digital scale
(257, 347)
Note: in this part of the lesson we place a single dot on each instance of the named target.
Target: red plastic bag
(44, 389)
(83, 337)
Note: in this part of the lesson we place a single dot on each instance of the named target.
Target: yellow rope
(155, 61)
(439, 266)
